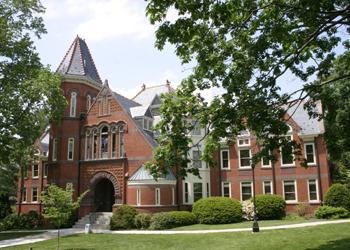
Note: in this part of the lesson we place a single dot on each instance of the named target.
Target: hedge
(123, 218)
(327, 212)
(142, 221)
(338, 196)
(270, 207)
(166, 220)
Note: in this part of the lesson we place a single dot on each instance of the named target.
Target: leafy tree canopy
(30, 94)
(242, 47)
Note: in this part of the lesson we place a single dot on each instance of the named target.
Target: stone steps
(98, 220)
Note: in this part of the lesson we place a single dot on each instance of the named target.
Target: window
(265, 162)
(35, 170)
(246, 190)
(243, 138)
(313, 190)
(54, 149)
(226, 189)
(196, 128)
(289, 191)
(73, 104)
(173, 196)
(225, 160)
(104, 143)
(267, 187)
(88, 102)
(157, 198)
(186, 193)
(244, 158)
(100, 107)
(69, 186)
(196, 157)
(113, 142)
(310, 153)
(94, 144)
(208, 189)
(70, 154)
(287, 154)
(34, 194)
(87, 145)
(121, 141)
(46, 169)
(197, 191)
(24, 194)
(109, 106)
(138, 197)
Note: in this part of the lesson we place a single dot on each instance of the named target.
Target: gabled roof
(125, 102)
(142, 174)
(147, 94)
(78, 62)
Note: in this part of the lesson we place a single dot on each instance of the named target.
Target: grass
(14, 235)
(246, 224)
(320, 237)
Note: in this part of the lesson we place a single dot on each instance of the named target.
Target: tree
(243, 48)
(58, 206)
(30, 95)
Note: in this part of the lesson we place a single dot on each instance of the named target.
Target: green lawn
(320, 237)
(246, 224)
(14, 235)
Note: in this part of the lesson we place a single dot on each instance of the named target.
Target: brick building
(104, 139)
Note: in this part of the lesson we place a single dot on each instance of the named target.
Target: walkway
(50, 234)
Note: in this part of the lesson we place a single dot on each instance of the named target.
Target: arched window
(290, 129)
(88, 102)
(121, 141)
(104, 143)
(113, 142)
(94, 144)
(87, 145)
(73, 104)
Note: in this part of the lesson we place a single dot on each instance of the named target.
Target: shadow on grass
(343, 244)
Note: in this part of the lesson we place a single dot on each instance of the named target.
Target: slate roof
(147, 94)
(308, 125)
(78, 62)
(125, 102)
(143, 174)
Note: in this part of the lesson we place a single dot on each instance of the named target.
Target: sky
(121, 41)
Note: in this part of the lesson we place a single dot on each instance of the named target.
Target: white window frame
(201, 191)
(197, 130)
(228, 159)
(73, 104)
(308, 191)
(138, 197)
(199, 160)
(45, 169)
(223, 184)
(157, 196)
(263, 186)
(239, 157)
(251, 188)
(314, 152)
(281, 155)
(35, 176)
(188, 193)
(172, 196)
(37, 195)
(54, 149)
(296, 192)
(70, 141)
(24, 195)
(266, 166)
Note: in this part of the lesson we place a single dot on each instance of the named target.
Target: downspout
(219, 169)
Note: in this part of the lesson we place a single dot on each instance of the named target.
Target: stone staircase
(98, 220)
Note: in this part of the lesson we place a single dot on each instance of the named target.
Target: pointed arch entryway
(105, 190)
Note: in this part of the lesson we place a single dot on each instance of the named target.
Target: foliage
(328, 212)
(302, 209)
(142, 221)
(217, 210)
(32, 220)
(338, 196)
(9, 179)
(241, 50)
(340, 174)
(58, 204)
(270, 207)
(166, 220)
(123, 218)
(5, 205)
(248, 209)
(183, 218)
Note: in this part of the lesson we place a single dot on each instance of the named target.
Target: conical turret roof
(78, 62)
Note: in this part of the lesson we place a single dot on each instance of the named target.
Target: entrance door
(104, 196)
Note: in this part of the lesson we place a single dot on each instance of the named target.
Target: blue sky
(121, 41)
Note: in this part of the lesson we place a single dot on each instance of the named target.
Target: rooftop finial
(168, 82)
(143, 86)
(106, 82)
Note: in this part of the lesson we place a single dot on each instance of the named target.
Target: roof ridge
(154, 86)
(93, 62)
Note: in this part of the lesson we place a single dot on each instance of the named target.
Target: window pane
(267, 187)
(244, 157)
(265, 161)
(197, 162)
(289, 190)
(312, 190)
(224, 159)
(310, 153)
(186, 193)
(226, 189)
(197, 191)
(246, 190)
(287, 155)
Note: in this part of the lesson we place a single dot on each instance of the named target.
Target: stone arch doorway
(105, 191)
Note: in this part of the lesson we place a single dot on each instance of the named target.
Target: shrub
(5, 205)
(123, 218)
(248, 209)
(270, 207)
(142, 221)
(32, 220)
(338, 196)
(328, 212)
(183, 218)
(162, 220)
(217, 210)
(302, 209)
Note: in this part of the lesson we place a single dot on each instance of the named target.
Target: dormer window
(148, 123)
(243, 139)
(73, 104)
